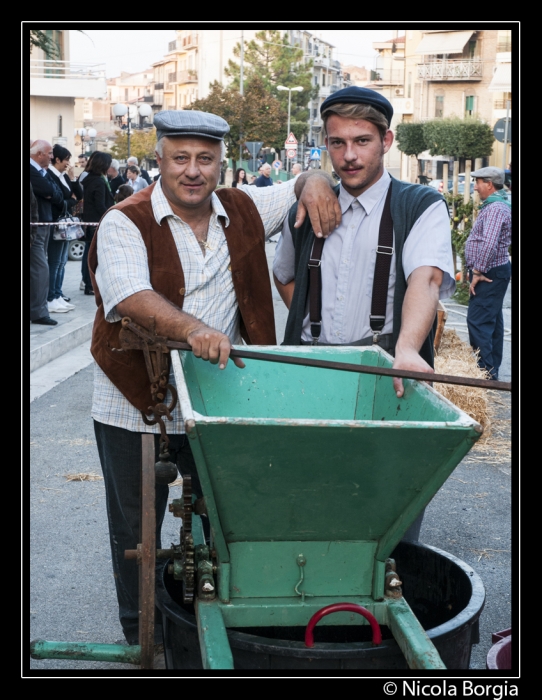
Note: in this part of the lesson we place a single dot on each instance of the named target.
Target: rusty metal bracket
(155, 351)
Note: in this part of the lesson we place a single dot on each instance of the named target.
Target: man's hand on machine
(409, 359)
(212, 345)
(317, 199)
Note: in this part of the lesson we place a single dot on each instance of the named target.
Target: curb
(59, 345)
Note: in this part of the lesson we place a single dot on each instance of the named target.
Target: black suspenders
(384, 251)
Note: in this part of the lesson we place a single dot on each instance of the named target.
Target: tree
(142, 145)
(40, 40)
(410, 139)
(458, 138)
(256, 116)
(272, 59)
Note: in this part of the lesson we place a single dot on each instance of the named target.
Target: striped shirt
(487, 244)
(123, 271)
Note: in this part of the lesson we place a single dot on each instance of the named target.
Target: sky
(133, 50)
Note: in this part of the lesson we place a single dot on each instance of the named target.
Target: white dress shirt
(348, 262)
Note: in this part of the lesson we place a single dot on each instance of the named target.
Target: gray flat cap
(496, 175)
(190, 123)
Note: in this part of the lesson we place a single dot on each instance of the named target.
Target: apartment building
(54, 86)
(327, 75)
(457, 73)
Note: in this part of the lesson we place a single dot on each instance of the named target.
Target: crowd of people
(56, 192)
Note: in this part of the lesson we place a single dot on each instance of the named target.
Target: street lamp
(91, 133)
(119, 110)
(290, 90)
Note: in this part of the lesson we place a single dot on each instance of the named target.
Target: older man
(114, 177)
(486, 253)
(264, 180)
(194, 259)
(296, 169)
(47, 193)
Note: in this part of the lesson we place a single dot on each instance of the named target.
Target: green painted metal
(213, 638)
(293, 612)
(313, 465)
(82, 651)
(416, 646)
(337, 569)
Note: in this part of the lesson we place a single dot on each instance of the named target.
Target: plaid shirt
(123, 271)
(487, 245)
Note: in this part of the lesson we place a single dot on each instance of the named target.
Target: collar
(162, 208)
(368, 199)
(38, 167)
(56, 172)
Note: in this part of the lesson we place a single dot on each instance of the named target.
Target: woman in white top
(57, 251)
(135, 181)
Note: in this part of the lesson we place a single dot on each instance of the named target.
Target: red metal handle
(340, 607)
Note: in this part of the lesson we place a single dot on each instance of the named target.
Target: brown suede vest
(246, 245)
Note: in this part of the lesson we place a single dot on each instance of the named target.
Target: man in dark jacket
(114, 177)
(47, 193)
(264, 180)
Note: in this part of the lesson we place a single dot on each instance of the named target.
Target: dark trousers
(57, 256)
(485, 319)
(120, 457)
(39, 274)
(85, 274)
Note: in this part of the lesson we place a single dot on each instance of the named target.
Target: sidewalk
(74, 327)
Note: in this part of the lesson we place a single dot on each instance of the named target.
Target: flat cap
(361, 95)
(496, 175)
(190, 123)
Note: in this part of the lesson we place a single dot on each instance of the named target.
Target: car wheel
(76, 250)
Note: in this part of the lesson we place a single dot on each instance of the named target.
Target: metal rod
(362, 369)
(85, 651)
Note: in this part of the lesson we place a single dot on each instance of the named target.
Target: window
(472, 48)
(323, 79)
(504, 40)
(126, 94)
(60, 125)
(469, 105)
(439, 106)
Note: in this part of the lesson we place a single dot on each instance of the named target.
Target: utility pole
(241, 74)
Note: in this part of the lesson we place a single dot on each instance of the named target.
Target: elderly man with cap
(486, 254)
(381, 273)
(194, 259)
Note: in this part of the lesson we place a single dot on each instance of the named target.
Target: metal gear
(187, 543)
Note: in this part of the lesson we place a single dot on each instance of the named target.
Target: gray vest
(408, 202)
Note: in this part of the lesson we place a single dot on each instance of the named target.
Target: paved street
(71, 584)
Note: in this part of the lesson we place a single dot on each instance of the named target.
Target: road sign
(277, 164)
(291, 153)
(315, 154)
(499, 128)
(291, 140)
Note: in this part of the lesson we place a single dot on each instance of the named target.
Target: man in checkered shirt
(486, 253)
(190, 151)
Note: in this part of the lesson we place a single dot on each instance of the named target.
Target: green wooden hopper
(311, 477)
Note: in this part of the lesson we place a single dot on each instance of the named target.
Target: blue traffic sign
(315, 154)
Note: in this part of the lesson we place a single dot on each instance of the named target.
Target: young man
(194, 259)
(486, 253)
(356, 121)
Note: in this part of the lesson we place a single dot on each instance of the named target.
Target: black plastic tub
(446, 595)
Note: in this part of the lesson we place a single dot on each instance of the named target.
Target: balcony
(388, 76)
(183, 44)
(171, 79)
(158, 86)
(187, 76)
(50, 78)
(321, 61)
(443, 70)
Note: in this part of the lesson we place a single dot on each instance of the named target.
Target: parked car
(439, 184)
(76, 250)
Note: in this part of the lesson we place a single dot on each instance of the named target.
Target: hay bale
(457, 358)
